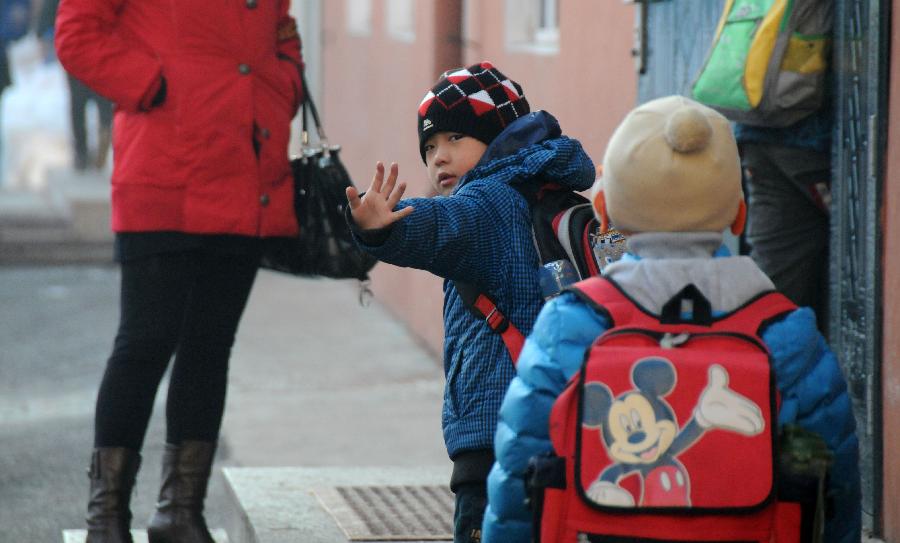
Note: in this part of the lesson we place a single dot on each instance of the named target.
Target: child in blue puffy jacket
(482, 149)
(672, 183)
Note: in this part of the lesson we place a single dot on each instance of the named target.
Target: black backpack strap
(483, 306)
(544, 471)
(687, 301)
(563, 226)
(575, 231)
(546, 206)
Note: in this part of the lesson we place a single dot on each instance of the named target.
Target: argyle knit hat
(672, 166)
(477, 101)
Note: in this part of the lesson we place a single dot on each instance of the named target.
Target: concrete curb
(277, 505)
(66, 223)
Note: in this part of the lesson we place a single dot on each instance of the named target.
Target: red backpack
(669, 430)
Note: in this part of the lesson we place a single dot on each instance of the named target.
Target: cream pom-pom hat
(671, 166)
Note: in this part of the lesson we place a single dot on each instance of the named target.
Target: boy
(483, 150)
(672, 183)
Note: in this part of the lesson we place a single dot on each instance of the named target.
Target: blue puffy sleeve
(553, 353)
(814, 396)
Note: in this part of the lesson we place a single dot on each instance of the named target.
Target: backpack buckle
(498, 324)
(670, 340)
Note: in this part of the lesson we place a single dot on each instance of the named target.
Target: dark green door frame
(861, 67)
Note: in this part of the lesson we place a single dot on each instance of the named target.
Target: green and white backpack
(768, 61)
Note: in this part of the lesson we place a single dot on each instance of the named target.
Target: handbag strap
(309, 107)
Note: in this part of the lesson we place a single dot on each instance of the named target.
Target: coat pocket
(145, 147)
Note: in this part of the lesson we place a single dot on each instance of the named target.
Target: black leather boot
(112, 474)
(179, 511)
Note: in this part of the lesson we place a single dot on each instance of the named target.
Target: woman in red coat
(204, 98)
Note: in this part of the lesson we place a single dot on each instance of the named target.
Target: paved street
(315, 380)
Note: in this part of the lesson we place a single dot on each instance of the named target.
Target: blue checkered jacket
(481, 234)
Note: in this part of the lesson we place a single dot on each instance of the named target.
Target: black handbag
(324, 247)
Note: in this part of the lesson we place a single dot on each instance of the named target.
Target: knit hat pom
(688, 130)
(672, 166)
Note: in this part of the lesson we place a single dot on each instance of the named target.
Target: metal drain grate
(391, 513)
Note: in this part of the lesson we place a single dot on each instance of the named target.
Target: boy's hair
(478, 101)
(672, 166)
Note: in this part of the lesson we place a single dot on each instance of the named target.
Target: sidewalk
(327, 393)
(318, 380)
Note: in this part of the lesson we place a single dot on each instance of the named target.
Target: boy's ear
(740, 220)
(599, 204)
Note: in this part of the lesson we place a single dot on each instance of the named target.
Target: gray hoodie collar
(674, 244)
(667, 262)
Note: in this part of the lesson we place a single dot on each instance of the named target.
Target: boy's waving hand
(376, 207)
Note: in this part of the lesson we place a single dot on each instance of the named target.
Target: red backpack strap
(483, 306)
(756, 313)
(607, 298)
(497, 321)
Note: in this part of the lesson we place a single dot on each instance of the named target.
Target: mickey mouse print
(642, 436)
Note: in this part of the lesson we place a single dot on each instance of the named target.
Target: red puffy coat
(231, 77)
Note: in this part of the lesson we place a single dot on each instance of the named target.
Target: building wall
(371, 88)
(589, 85)
(891, 305)
(373, 84)
(308, 14)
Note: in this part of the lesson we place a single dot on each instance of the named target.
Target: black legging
(188, 303)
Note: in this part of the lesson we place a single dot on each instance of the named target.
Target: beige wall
(372, 86)
(891, 306)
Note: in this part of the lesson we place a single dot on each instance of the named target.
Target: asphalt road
(56, 330)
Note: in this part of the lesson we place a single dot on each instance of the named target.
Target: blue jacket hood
(524, 132)
(531, 147)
